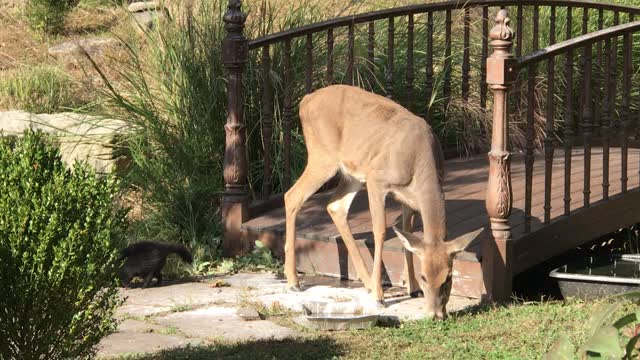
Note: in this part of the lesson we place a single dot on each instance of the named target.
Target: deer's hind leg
(338, 208)
(314, 176)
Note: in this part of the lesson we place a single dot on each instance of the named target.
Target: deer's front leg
(379, 225)
(408, 222)
(315, 174)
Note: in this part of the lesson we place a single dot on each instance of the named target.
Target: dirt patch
(18, 45)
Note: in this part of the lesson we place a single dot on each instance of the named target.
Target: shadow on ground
(321, 348)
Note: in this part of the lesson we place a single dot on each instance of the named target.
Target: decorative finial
(234, 18)
(502, 31)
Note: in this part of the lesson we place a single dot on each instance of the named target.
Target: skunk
(146, 260)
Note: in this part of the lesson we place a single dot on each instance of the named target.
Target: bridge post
(497, 252)
(235, 201)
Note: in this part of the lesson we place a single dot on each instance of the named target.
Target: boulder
(71, 52)
(146, 14)
(144, 6)
(79, 136)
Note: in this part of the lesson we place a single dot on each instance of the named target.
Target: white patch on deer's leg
(338, 209)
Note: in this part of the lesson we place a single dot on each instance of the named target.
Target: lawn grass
(519, 331)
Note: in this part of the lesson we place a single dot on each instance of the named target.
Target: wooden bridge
(564, 161)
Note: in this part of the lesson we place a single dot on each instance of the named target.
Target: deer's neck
(430, 200)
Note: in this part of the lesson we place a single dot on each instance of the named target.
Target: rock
(248, 314)
(222, 322)
(80, 137)
(145, 19)
(129, 342)
(96, 47)
(144, 5)
(147, 14)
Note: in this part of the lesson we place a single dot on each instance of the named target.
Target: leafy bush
(48, 15)
(59, 237)
(618, 340)
(38, 89)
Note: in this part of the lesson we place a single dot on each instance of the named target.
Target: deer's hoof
(416, 294)
(295, 288)
(381, 304)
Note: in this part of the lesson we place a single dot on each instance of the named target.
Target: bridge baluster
(606, 119)
(485, 53)
(235, 203)
(286, 115)
(308, 71)
(410, 75)
(626, 110)
(586, 122)
(351, 55)
(613, 82)
(447, 61)
(429, 65)
(330, 58)
(529, 147)
(550, 130)
(390, 57)
(519, 39)
(568, 126)
(497, 252)
(536, 26)
(267, 121)
(371, 53)
(466, 65)
(597, 110)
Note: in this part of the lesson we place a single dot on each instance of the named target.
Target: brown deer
(371, 139)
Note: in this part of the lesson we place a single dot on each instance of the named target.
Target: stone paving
(195, 313)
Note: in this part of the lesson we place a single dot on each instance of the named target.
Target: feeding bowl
(349, 315)
(593, 277)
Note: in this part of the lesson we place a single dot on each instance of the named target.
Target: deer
(372, 140)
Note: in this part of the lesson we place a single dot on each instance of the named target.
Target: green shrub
(59, 237)
(606, 340)
(38, 89)
(48, 15)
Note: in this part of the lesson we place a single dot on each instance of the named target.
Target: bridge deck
(465, 203)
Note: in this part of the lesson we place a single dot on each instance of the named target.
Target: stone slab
(163, 299)
(120, 343)
(80, 137)
(223, 323)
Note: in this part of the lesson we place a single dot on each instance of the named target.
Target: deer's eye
(423, 278)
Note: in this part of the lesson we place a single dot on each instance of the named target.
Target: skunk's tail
(181, 251)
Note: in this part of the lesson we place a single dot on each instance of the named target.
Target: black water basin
(594, 277)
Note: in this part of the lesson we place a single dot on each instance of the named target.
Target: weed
(48, 16)
(169, 330)
(181, 308)
(40, 89)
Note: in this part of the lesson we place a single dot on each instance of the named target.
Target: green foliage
(260, 259)
(171, 94)
(606, 340)
(38, 89)
(48, 16)
(59, 237)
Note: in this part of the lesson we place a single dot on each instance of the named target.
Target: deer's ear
(459, 244)
(410, 241)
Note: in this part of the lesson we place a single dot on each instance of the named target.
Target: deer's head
(436, 263)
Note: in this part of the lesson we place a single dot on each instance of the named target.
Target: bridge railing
(590, 111)
(409, 54)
